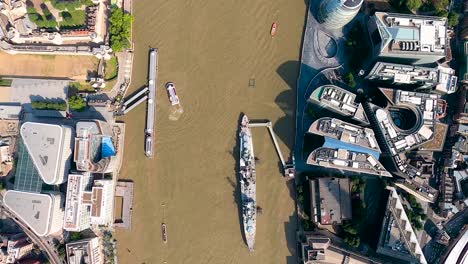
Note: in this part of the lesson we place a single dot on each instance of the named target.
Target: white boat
(172, 94)
(248, 183)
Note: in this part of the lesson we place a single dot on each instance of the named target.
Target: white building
(86, 205)
(50, 149)
(409, 38)
(41, 212)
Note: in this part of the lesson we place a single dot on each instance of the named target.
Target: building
(88, 203)
(94, 150)
(397, 237)
(335, 14)
(85, 251)
(406, 38)
(10, 112)
(441, 79)
(331, 200)
(459, 252)
(49, 147)
(41, 212)
(18, 248)
(318, 249)
(349, 162)
(340, 101)
(124, 204)
(345, 135)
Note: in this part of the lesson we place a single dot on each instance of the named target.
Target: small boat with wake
(164, 232)
(172, 94)
(274, 29)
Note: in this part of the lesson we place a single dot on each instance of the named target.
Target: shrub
(42, 21)
(453, 19)
(44, 105)
(349, 80)
(77, 103)
(414, 4)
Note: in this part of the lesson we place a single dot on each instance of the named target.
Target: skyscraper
(334, 14)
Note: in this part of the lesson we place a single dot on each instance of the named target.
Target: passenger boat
(247, 183)
(164, 232)
(172, 94)
(274, 29)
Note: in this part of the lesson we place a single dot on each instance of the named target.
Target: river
(211, 50)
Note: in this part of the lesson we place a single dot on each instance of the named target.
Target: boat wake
(176, 112)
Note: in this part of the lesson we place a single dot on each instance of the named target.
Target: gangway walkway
(136, 96)
(288, 168)
(144, 98)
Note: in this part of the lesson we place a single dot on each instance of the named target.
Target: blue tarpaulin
(107, 148)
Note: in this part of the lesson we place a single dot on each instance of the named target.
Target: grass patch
(5, 82)
(76, 87)
(70, 5)
(73, 18)
(111, 68)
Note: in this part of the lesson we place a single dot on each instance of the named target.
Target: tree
(75, 236)
(453, 19)
(349, 80)
(76, 103)
(120, 25)
(413, 4)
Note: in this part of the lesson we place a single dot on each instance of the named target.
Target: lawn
(111, 69)
(73, 19)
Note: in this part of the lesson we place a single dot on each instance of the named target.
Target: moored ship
(247, 183)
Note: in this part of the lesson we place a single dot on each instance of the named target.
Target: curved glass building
(333, 14)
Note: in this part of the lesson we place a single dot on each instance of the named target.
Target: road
(52, 253)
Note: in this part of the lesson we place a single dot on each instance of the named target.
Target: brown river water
(211, 49)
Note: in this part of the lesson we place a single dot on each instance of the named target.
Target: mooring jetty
(151, 112)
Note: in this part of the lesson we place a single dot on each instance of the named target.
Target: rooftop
(84, 251)
(361, 138)
(334, 204)
(340, 101)
(47, 145)
(397, 238)
(402, 33)
(348, 160)
(34, 209)
(442, 79)
(459, 253)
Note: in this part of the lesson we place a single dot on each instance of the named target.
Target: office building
(408, 38)
(397, 238)
(441, 79)
(49, 147)
(335, 14)
(41, 212)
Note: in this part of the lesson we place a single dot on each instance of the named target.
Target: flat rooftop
(404, 33)
(45, 144)
(34, 209)
(344, 159)
(360, 137)
(335, 200)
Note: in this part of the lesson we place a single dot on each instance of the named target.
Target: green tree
(413, 4)
(120, 26)
(440, 4)
(349, 80)
(442, 13)
(77, 103)
(453, 19)
(75, 236)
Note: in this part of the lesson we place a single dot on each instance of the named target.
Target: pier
(287, 167)
(150, 114)
(132, 102)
